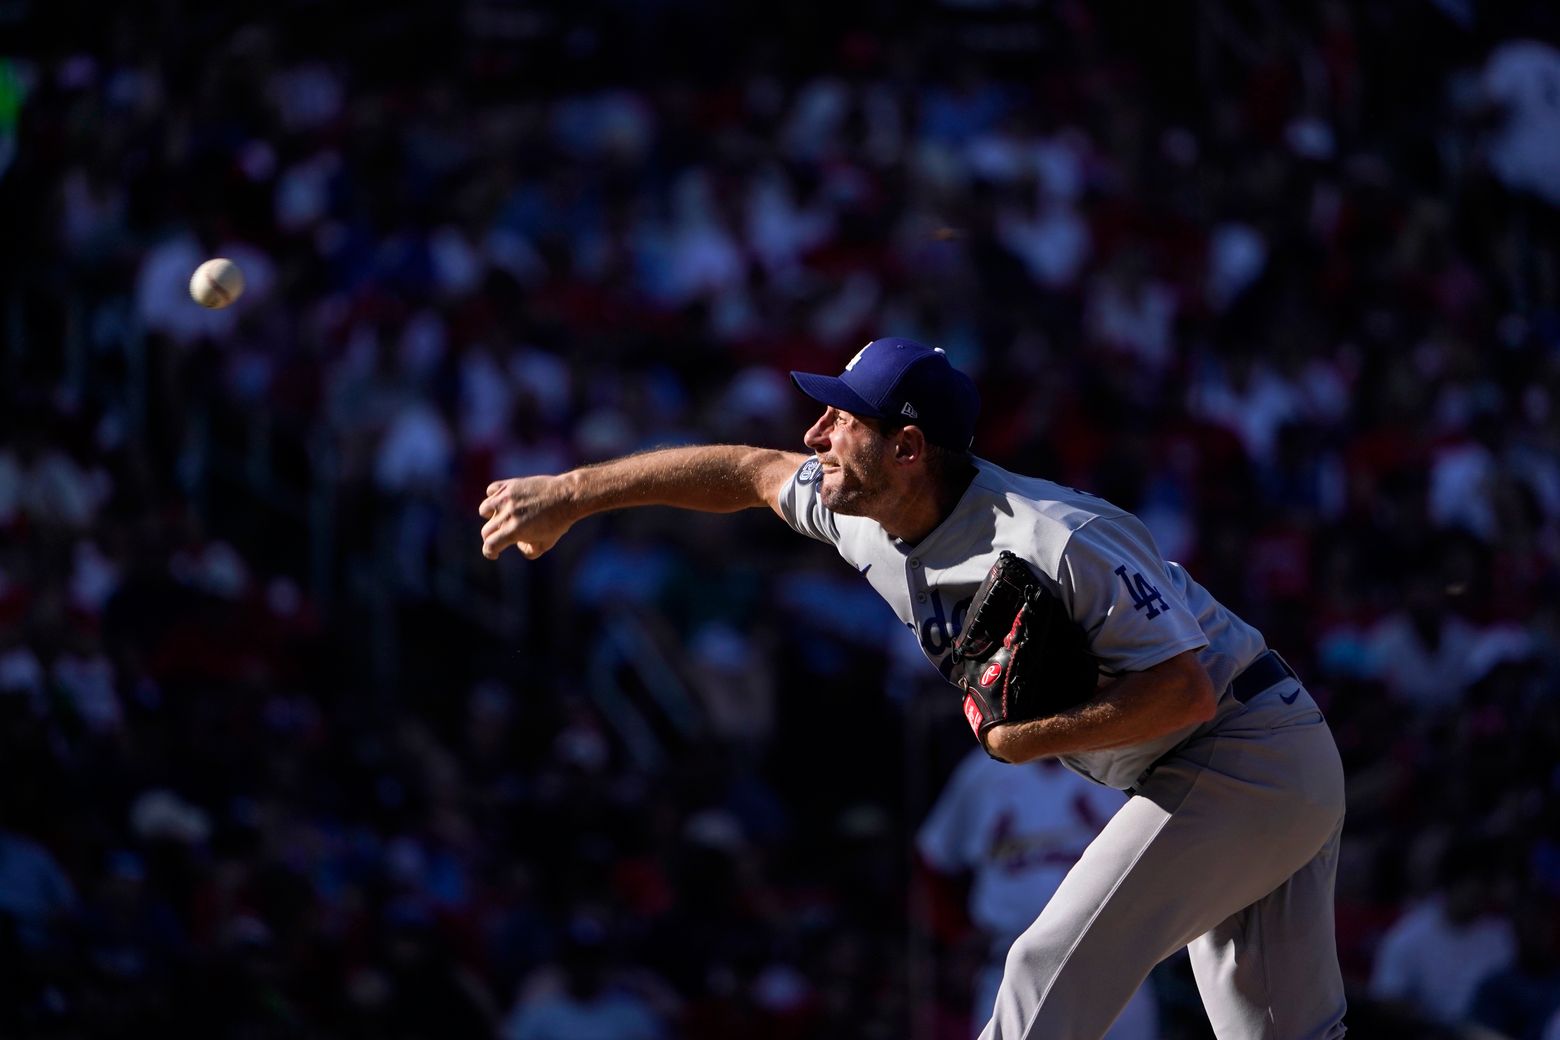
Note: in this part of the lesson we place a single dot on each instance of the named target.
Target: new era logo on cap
(886, 375)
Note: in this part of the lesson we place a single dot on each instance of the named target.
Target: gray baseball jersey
(1137, 608)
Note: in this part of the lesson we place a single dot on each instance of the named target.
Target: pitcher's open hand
(531, 513)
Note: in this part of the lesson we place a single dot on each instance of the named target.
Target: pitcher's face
(854, 456)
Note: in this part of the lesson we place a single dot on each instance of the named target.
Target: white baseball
(216, 283)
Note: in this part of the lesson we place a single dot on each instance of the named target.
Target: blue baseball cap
(903, 382)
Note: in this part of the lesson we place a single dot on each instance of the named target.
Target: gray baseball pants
(1230, 848)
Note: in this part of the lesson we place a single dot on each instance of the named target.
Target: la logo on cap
(852, 362)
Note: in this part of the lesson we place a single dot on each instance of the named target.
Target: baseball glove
(1019, 656)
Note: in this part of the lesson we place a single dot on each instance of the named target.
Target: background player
(1018, 831)
(1232, 840)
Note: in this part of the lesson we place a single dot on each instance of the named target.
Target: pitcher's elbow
(1202, 699)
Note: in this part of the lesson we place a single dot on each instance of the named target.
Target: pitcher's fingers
(498, 539)
(495, 503)
(500, 527)
(494, 487)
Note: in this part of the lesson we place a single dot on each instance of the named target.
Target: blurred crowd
(280, 754)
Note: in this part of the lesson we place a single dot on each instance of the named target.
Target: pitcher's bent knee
(1037, 957)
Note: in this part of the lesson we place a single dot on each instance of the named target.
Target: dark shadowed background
(282, 755)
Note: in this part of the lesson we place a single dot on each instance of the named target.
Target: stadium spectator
(1434, 958)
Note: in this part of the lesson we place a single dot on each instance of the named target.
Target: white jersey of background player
(1018, 830)
(1229, 845)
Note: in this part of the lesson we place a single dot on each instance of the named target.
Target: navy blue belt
(1267, 670)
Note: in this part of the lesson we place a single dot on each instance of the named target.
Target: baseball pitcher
(1067, 635)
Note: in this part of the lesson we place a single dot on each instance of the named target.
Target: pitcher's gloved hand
(1019, 656)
